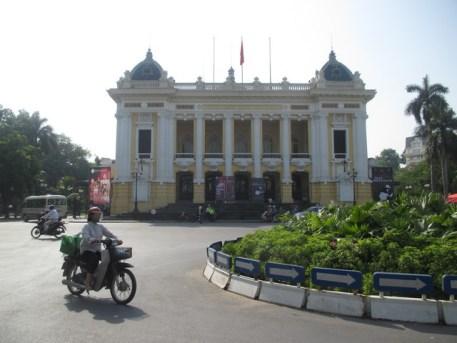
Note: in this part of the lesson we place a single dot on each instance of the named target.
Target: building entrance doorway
(210, 185)
(272, 185)
(300, 187)
(185, 186)
(242, 185)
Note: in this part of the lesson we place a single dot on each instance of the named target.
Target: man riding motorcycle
(52, 217)
(90, 247)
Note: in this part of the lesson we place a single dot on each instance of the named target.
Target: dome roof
(147, 69)
(336, 71)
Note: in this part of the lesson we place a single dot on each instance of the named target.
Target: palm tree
(420, 108)
(38, 134)
(443, 134)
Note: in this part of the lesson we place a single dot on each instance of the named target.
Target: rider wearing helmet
(90, 249)
(51, 217)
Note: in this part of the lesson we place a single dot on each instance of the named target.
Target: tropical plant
(410, 234)
(421, 108)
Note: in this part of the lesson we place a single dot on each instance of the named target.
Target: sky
(60, 57)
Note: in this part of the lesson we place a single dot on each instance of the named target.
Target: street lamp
(353, 174)
(138, 171)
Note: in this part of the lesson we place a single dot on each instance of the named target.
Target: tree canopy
(36, 160)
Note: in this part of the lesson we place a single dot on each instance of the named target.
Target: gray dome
(336, 71)
(147, 69)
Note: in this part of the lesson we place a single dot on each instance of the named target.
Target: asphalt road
(174, 302)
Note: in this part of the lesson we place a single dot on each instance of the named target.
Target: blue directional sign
(450, 284)
(404, 283)
(329, 277)
(216, 245)
(233, 240)
(211, 255)
(223, 260)
(284, 272)
(248, 267)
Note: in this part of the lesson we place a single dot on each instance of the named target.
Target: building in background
(414, 150)
(239, 142)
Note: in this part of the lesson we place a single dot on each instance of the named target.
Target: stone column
(123, 144)
(323, 144)
(161, 147)
(359, 136)
(285, 148)
(199, 139)
(315, 149)
(286, 185)
(257, 134)
(228, 144)
(171, 148)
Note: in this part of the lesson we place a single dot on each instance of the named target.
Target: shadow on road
(436, 329)
(104, 309)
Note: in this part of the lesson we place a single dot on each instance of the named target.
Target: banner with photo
(100, 187)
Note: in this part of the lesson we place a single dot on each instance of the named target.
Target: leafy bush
(408, 235)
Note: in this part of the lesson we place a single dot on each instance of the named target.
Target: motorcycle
(55, 229)
(111, 273)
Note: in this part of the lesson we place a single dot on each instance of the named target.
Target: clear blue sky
(59, 57)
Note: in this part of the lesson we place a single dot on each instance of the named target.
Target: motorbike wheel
(123, 287)
(60, 230)
(36, 232)
(74, 290)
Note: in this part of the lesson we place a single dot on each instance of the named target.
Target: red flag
(241, 54)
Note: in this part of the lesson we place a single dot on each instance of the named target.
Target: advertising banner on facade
(225, 188)
(100, 187)
(258, 189)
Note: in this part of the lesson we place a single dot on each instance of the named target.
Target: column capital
(228, 116)
(256, 116)
(285, 116)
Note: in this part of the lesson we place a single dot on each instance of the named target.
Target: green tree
(19, 165)
(420, 108)
(37, 133)
(389, 158)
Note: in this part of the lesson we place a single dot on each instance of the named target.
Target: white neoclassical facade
(197, 142)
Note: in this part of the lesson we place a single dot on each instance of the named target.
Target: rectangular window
(144, 143)
(339, 143)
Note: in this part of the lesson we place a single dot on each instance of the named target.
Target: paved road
(174, 303)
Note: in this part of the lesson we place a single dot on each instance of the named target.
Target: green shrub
(408, 235)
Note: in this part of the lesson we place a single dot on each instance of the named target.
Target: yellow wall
(120, 202)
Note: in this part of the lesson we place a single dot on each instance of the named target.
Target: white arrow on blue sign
(223, 260)
(284, 272)
(248, 267)
(450, 284)
(400, 282)
(330, 277)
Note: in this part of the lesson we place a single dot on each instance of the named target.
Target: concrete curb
(336, 302)
(404, 309)
(280, 294)
(339, 303)
(220, 278)
(244, 286)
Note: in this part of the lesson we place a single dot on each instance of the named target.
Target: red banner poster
(100, 186)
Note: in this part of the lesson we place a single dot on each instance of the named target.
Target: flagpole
(269, 54)
(242, 61)
(214, 60)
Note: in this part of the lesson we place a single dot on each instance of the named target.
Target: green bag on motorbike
(69, 245)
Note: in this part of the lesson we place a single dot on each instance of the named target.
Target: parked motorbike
(56, 229)
(111, 273)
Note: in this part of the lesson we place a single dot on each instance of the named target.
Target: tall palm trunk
(444, 170)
